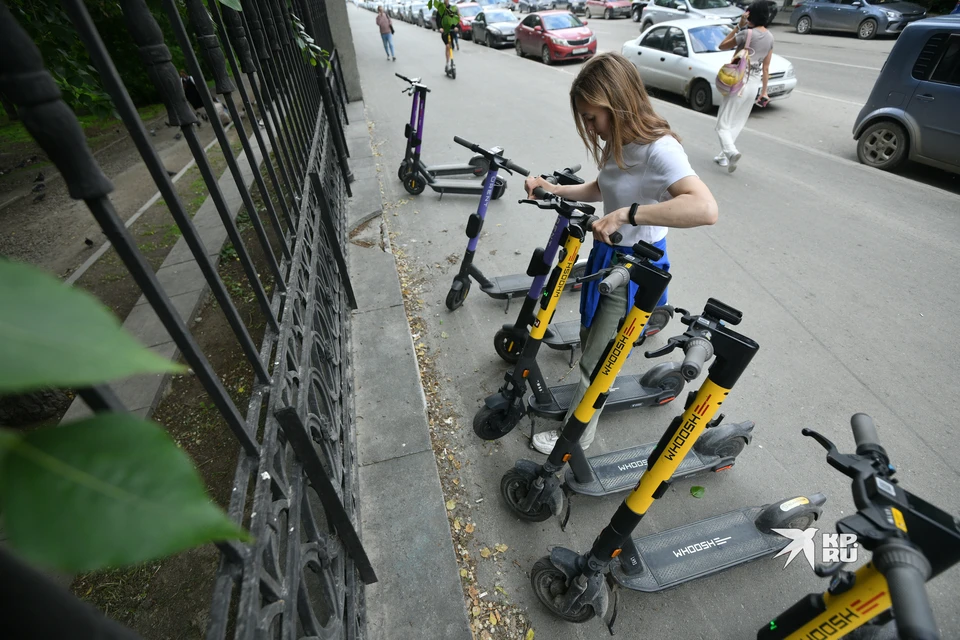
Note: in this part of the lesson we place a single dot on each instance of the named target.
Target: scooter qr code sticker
(790, 504)
(886, 487)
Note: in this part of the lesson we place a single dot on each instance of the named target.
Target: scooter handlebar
(695, 354)
(615, 237)
(617, 277)
(403, 78)
(540, 193)
(864, 431)
(906, 570)
(574, 169)
(516, 168)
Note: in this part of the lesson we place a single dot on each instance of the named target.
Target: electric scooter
(461, 282)
(716, 450)
(911, 541)
(416, 176)
(572, 585)
(506, 287)
(502, 411)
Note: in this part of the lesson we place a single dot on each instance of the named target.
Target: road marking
(839, 64)
(818, 95)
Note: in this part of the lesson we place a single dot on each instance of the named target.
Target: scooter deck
(562, 335)
(621, 470)
(698, 549)
(626, 393)
(463, 187)
(467, 171)
(508, 286)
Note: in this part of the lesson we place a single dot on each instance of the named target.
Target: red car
(468, 11)
(609, 9)
(554, 36)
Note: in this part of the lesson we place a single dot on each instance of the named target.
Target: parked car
(636, 9)
(495, 28)
(411, 11)
(609, 9)
(866, 18)
(663, 10)
(554, 36)
(745, 4)
(533, 5)
(956, 9)
(683, 57)
(468, 11)
(426, 18)
(912, 113)
(574, 6)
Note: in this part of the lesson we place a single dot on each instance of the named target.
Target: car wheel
(646, 25)
(701, 96)
(635, 14)
(490, 42)
(586, 14)
(804, 25)
(883, 145)
(545, 56)
(519, 49)
(868, 29)
(608, 14)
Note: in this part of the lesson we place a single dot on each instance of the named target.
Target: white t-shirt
(651, 170)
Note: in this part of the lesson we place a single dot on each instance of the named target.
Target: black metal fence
(295, 481)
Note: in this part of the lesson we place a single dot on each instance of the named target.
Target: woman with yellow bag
(751, 38)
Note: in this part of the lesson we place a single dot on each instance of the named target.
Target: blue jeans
(388, 44)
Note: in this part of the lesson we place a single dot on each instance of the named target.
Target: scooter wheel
(507, 346)
(457, 294)
(730, 448)
(550, 585)
(491, 424)
(499, 187)
(513, 489)
(402, 171)
(414, 185)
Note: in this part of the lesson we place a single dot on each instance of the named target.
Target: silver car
(495, 28)
(663, 10)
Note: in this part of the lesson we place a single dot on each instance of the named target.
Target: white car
(683, 56)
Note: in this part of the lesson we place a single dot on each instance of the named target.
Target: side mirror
(856, 3)
(538, 28)
(681, 7)
(680, 51)
(583, 22)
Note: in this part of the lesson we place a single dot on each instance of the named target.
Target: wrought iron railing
(295, 485)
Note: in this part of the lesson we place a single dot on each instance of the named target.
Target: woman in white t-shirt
(641, 163)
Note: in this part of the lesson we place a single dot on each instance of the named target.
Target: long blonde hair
(609, 81)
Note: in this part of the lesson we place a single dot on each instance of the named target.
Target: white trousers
(733, 114)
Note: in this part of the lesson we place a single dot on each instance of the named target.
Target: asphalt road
(845, 276)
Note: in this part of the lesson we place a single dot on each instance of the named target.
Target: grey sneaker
(545, 441)
(721, 159)
(732, 161)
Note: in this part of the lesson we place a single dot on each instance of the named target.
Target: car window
(708, 39)
(948, 67)
(710, 4)
(554, 21)
(665, 3)
(675, 40)
(469, 12)
(529, 21)
(654, 39)
(500, 16)
(847, 2)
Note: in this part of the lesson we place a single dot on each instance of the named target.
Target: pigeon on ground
(88, 242)
(40, 177)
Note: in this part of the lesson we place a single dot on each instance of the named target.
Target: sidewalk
(403, 519)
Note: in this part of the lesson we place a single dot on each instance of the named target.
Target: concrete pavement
(844, 275)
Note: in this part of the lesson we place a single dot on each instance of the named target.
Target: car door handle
(926, 97)
(663, 59)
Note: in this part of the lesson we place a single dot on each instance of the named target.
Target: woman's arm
(692, 205)
(766, 74)
(730, 42)
(587, 192)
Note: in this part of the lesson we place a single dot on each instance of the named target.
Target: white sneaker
(732, 161)
(721, 159)
(545, 441)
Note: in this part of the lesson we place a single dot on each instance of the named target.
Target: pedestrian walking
(646, 185)
(735, 108)
(386, 32)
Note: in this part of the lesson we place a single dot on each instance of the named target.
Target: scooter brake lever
(672, 344)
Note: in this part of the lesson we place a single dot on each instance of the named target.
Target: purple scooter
(416, 176)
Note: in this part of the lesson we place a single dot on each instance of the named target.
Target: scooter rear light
(666, 400)
(729, 466)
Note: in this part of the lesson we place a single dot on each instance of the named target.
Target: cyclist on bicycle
(448, 24)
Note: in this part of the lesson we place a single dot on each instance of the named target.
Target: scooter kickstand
(566, 497)
(532, 427)
(615, 590)
(509, 298)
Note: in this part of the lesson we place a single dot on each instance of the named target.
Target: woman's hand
(532, 182)
(609, 223)
(743, 19)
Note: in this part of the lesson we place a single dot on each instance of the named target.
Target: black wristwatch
(633, 212)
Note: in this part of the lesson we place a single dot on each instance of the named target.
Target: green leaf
(108, 491)
(233, 4)
(696, 492)
(52, 335)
